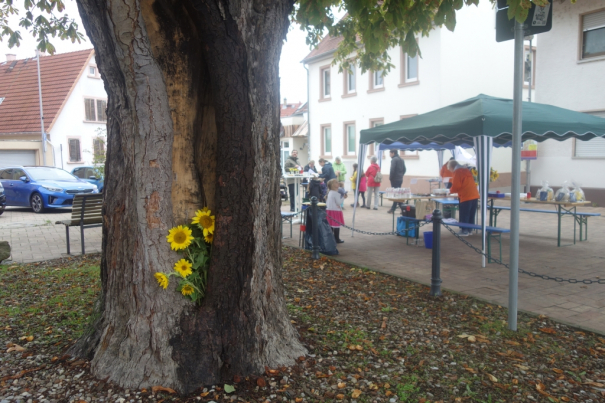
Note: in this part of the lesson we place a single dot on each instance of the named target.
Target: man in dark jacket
(327, 172)
(396, 174)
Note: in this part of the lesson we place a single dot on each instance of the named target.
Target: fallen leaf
(15, 348)
(492, 378)
(512, 343)
(565, 399)
(515, 381)
(298, 400)
(358, 348)
(595, 384)
(157, 389)
(472, 371)
(387, 386)
(340, 396)
(261, 382)
(356, 393)
(464, 336)
(557, 370)
(204, 394)
(229, 388)
(547, 330)
(472, 339)
(522, 367)
(389, 393)
(341, 385)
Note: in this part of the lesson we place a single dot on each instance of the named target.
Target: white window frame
(326, 90)
(351, 77)
(96, 110)
(96, 73)
(323, 139)
(407, 69)
(347, 141)
(69, 159)
(597, 24)
(375, 76)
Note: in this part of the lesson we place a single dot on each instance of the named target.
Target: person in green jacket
(340, 171)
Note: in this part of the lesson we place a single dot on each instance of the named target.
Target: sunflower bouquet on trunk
(493, 175)
(195, 242)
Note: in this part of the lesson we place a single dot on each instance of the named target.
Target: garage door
(17, 157)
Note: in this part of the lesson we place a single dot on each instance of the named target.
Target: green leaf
(229, 389)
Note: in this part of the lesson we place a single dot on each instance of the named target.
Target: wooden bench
(86, 213)
(581, 218)
(494, 232)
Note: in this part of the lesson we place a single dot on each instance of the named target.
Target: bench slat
(476, 226)
(546, 211)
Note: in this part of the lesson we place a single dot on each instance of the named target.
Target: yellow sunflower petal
(187, 289)
(179, 237)
(183, 267)
(162, 279)
(209, 238)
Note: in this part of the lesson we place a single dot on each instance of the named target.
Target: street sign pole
(513, 276)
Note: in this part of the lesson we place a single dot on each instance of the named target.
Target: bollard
(436, 271)
(315, 229)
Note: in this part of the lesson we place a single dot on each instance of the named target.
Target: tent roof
(484, 115)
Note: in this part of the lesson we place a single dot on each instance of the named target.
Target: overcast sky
(293, 76)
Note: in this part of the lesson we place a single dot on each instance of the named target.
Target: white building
(454, 66)
(74, 104)
(294, 131)
(571, 70)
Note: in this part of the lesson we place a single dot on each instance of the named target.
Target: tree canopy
(369, 28)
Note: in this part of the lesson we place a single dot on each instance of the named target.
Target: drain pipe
(308, 114)
(41, 111)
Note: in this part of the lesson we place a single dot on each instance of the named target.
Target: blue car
(2, 199)
(41, 188)
(90, 174)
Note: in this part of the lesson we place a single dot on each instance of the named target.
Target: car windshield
(44, 173)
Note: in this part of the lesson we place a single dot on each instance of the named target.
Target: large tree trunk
(193, 121)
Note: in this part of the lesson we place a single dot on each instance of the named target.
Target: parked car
(2, 199)
(41, 188)
(90, 174)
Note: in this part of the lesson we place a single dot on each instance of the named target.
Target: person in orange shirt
(446, 173)
(464, 184)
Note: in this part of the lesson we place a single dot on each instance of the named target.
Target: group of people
(334, 177)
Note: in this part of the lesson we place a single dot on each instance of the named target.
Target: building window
(407, 153)
(372, 148)
(326, 83)
(593, 34)
(74, 150)
(349, 139)
(326, 140)
(98, 146)
(594, 148)
(350, 82)
(409, 69)
(378, 80)
(93, 72)
(529, 68)
(95, 110)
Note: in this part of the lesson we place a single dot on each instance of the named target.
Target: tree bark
(193, 121)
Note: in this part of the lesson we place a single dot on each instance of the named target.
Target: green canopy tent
(480, 122)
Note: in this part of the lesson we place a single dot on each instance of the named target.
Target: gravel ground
(371, 338)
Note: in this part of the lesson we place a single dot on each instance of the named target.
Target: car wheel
(1, 210)
(37, 203)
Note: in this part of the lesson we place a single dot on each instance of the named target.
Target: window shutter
(90, 110)
(101, 110)
(74, 150)
(594, 148)
(594, 21)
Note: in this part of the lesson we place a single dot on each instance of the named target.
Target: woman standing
(373, 185)
(362, 185)
(464, 184)
(333, 211)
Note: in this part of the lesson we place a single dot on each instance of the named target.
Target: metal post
(513, 275)
(436, 270)
(531, 76)
(41, 111)
(315, 229)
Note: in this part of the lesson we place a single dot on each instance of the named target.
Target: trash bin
(428, 239)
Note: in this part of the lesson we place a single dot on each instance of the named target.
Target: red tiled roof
(20, 109)
(288, 110)
(327, 45)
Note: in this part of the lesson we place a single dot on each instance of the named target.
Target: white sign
(540, 16)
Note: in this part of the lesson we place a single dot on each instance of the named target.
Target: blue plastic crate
(406, 226)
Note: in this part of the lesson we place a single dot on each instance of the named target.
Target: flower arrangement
(196, 244)
(492, 176)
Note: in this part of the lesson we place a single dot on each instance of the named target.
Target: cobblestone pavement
(578, 304)
(35, 237)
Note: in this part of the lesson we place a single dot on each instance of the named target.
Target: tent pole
(516, 179)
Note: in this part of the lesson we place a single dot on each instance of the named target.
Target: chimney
(285, 103)
(11, 57)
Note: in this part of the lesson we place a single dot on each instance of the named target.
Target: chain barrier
(379, 233)
(529, 273)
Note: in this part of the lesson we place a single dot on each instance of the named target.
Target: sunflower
(205, 221)
(209, 238)
(183, 267)
(179, 237)
(162, 280)
(187, 289)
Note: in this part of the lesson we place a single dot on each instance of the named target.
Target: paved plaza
(35, 237)
(578, 304)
